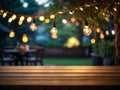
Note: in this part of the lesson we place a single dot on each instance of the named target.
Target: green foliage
(107, 49)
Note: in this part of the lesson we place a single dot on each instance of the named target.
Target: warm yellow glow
(81, 8)
(64, 21)
(96, 8)
(4, 14)
(41, 18)
(47, 20)
(10, 20)
(102, 36)
(33, 27)
(92, 41)
(60, 12)
(54, 36)
(25, 38)
(20, 22)
(115, 9)
(73, 19)
(107, 32)
(72, 42)
(52, 16)
(98, 30)
(22, 18)
(87, 30)
(12, 34)
(29, 19)
(13, 17)
(53, 30)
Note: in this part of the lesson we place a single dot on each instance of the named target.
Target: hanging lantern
(25, 38)
(12, 34)
(87, 30)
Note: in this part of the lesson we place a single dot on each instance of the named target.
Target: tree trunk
(117, 36)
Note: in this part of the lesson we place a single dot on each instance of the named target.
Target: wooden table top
(60, 75)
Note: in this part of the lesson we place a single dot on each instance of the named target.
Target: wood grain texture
(60, 75)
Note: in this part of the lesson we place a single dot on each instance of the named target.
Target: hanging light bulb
(25, 38)
(98, 30)
(107, 32)
(54, 31)
(33, 26)
(87, 30)
(22, 18)
(52, 16)
(12, 34)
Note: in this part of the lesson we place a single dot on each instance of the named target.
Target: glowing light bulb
(102, 36)
(10, 20)
(20, 22)
(53, 30)
(87, 30)
(25, 38)
(54, 36)
(52, 16)
(107, 32)
(92, 41)
(64, 21)
(47, 20)
(29, 19)
(12, 34)
(81, 8)
(41, 18)
(22, 18)
(13, 17)
(33, 27)
(4, 14)
(73, 19)
(113, 32)
(98, 30)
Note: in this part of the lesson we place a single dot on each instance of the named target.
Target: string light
(52, 16)
(29, 19)
(64, 21)
(113, 32)
(92, 41)
(71, 12)
(12, 34)
(13, 17)
(102, 36)
(47, 20)
(25, 38)
(73, 20)
(10, 20)
(4, 14)
(98, 30)
(41, 18)
(22, 18)
(107, 32)
(20, 22)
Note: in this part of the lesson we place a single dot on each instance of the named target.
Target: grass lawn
(67, 61)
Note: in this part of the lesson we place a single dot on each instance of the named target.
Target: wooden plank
(60, 75)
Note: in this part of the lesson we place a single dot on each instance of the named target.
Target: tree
(95, 11)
